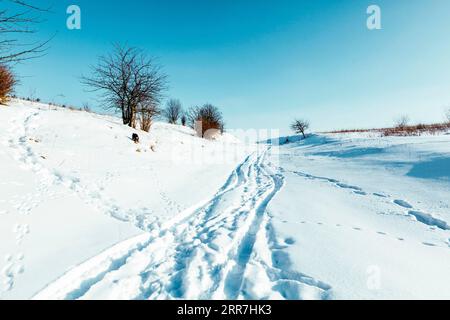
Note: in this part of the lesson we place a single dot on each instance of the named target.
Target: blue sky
(264, 62)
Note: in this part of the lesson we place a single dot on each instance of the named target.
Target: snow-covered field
(87, 214)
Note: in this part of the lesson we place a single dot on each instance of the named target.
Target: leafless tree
(173, 111)
(402, 122)
(7, 83)
(183, 120)
(127, 79)
(205, 119)
(18, 19)
(447, 115)
(300, 127)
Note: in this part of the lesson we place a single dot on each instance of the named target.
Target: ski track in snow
(211, 252)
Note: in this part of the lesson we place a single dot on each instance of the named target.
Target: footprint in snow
(428, 244)
(12, 269)
(403, 203)
(21, 230)
(289, 241)
(379, 195)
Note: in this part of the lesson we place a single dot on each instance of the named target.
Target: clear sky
(264, 62)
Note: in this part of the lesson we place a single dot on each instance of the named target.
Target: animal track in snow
(13, 268)
(21, 230)
(380, 233)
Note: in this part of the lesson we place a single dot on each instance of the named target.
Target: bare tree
(402, 122)
(127, 79)
(7, 83)
(173, 111)
(300, 127)
(205, 120)
(183, 120)
(18, 20)
(447, 115)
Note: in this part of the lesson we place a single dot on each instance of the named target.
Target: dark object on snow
(135, 138)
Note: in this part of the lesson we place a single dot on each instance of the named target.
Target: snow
(360, 221)
(87, 214)
(72, 184)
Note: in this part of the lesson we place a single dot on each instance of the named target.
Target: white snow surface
(87, 214)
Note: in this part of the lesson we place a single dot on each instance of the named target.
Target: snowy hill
(87, 214)
(65, 174)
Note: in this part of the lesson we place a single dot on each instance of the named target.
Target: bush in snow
(7, 83)
(183, 120)
(86, 107)
(173, 111)
(206, 120)
(402, 122)
(300, 127)
(147, 111)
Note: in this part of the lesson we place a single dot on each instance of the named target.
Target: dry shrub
(7, 83)
(146, 122)
(416, 130)
(206, 120)
(173, 111)
(402, 122)
(147, 112)
(404, 131)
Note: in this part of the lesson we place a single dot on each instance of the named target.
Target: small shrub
(7, 83)
(207, 121)
(173, 111)
(86, 107)
(146, 113)
(402, 122)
